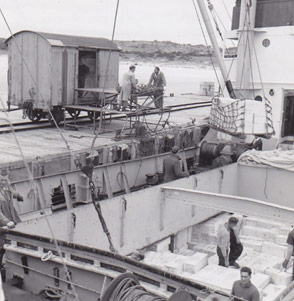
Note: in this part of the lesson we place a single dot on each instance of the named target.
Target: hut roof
(74, 41)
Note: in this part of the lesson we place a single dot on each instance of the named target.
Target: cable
(126, 287)
(34, 81)
(202, 30)
(43, 205)
(104, 84)
(226, 9)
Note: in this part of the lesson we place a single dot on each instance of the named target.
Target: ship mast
(215, 46)
(246, 31)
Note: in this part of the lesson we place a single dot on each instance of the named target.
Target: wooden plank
(72, 75)
(98, 90)
(44, 74)
(106, 182)
(108, 71)
(68, 199)
(95, 109)
(29, 71)
(15, 59)
(56, 75)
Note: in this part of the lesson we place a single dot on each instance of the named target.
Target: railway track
(26, 126)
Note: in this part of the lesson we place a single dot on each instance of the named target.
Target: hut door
(87, 69)
(108, 68)
(288, 117)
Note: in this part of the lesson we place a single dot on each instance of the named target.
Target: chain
(88, 171)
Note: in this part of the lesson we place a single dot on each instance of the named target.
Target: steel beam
(230, 203)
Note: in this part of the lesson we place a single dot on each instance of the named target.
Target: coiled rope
(126, 287)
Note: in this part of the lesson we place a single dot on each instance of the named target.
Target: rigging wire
(215, 15)
(64, 139)
(202, 30)
(258, 68)
(104, 84)
(226, 9)
(43, 205)
(212, 12)
(34, 81)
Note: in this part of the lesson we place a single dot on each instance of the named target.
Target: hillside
(164, 52)
(160, 52)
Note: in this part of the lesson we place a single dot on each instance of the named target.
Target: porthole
(266, 42)
(258, 98)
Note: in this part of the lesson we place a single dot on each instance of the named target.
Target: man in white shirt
(229, 247)
(128, 82)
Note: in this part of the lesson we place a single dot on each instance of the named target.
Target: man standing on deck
(244, 288)
(229, 247)
(8, 215)
(128, 82)
(172, 167)
(157, 80)
(290, 249)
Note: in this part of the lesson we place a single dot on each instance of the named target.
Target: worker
(157, 80)
(229, 247)
(172, 167)
(290, 249)
(244, 288)
(129, 82)
(8, 215)
(83, 72)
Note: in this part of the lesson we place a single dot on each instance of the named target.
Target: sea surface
(181, 79)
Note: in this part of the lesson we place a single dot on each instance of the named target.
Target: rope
(128, 289)
(43, 205)
(34, 81)
(202, 30)
(88, 171)
(226, 9)
(104, 84)
(97, 207)
(229, 118)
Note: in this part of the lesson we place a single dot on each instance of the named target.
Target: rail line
(26, 126)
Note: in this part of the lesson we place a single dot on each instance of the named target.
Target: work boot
(235, 264)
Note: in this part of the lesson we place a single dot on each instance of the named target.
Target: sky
(162, 20)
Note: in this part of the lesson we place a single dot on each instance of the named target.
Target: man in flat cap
(172, 167)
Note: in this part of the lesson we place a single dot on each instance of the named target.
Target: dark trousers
(235, 252)
(81, 84)
(221, 259)
(158, 102)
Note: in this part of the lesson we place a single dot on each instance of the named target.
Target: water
(180, 79)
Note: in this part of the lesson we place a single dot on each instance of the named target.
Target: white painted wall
(142, 222)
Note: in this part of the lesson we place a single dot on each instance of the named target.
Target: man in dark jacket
(157, 80)
(172, 167)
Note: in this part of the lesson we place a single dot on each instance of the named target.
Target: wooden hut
(43, 70)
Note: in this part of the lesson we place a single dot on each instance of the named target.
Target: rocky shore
(162, 52)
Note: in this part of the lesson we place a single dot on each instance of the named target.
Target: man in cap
(172, 167)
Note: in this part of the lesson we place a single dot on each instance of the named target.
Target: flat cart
(99, 98)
